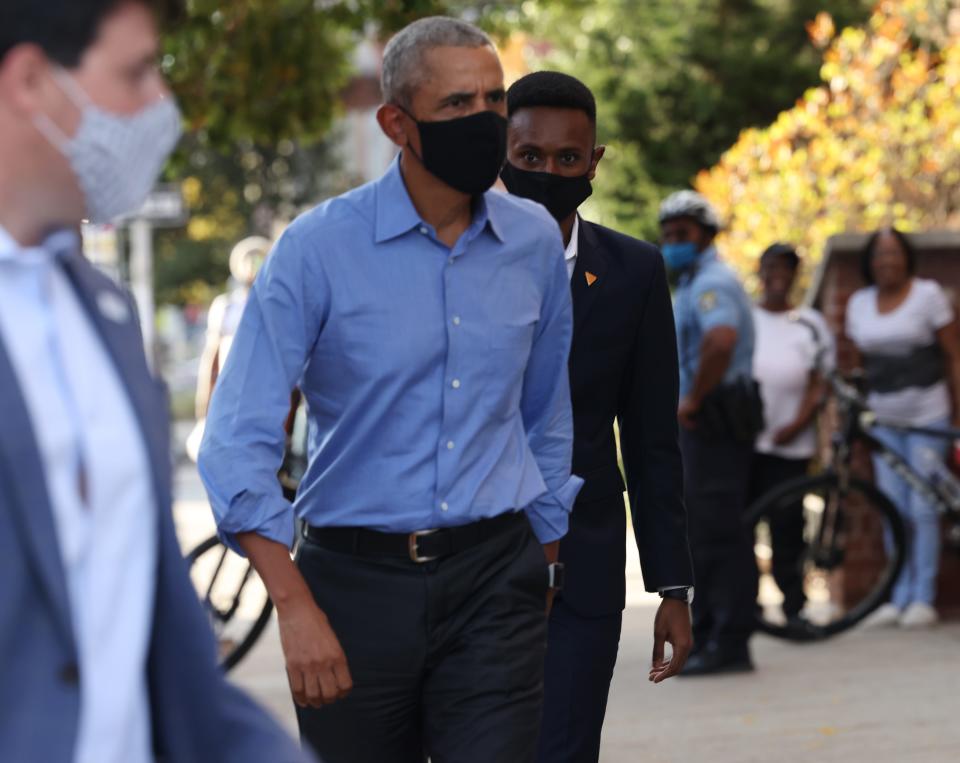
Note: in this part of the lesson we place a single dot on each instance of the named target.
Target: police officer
(720, 415)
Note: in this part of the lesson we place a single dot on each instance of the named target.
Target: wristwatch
(684, 594)
(556, 571)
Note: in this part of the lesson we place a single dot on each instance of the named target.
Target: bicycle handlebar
(846, 392)
(851, 398)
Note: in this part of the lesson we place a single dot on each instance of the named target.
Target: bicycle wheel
(233, 596)
(850, 554)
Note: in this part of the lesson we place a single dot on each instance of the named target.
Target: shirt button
(450, 261)
(450, 445)
(455, 384)
(423, 230)
(444, 506)
(456, 320)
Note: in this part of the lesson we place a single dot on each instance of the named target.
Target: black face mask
(465, 153)
(560, 195)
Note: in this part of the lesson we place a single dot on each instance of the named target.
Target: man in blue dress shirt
(428, 324)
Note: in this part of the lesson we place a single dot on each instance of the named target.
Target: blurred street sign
(164, 208)
(101, 247)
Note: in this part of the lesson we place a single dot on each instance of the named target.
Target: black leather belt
(419, 547)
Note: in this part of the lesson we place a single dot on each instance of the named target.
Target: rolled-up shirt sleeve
(243, 443)
(546, 409)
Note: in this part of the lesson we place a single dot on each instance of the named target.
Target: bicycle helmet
(689, 204)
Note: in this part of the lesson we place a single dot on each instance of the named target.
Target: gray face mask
(116, 158)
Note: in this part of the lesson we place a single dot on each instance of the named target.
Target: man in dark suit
(106, 652)
(623, 366)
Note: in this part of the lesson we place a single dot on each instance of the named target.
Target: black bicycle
(233, 596)
(848, 523)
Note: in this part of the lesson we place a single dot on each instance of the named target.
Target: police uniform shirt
(708, 296)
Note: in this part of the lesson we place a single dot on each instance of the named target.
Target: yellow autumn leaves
(877, 143)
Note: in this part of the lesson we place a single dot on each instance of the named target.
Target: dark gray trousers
(716, 484)
(446, 657)
(581, 655)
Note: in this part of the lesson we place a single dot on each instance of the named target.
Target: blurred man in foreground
(427, 322)
(720, 416)
(623, 366)
(106, 654)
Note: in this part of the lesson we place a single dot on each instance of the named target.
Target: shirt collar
(705, 257)
(57, 245)
(570, 253)
(396, 215)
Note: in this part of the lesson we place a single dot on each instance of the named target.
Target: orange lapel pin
(591, 278)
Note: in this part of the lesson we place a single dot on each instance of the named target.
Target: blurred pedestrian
(906, 332)
(623, 366)
(225, 312)
(720, 416)
(223, 318)
(107, 655)
(428, 323)
(793, 349)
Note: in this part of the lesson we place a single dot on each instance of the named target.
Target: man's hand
(316, 665)
(687, 413)
(672, 625)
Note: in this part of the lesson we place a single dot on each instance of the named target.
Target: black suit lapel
(589, 275)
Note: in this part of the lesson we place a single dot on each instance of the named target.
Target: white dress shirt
(98, 479)
(570, 254)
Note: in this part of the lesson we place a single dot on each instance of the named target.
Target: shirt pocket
(508, 355)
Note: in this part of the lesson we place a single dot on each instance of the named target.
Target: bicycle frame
(860, 425)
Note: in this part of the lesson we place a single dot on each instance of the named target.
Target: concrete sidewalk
(890, 697)
(881, 697)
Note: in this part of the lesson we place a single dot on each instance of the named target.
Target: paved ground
(868, 696)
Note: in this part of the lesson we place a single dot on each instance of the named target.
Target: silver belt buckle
(412, 540)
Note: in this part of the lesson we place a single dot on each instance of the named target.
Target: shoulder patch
(707, 301)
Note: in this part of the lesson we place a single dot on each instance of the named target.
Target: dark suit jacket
(197, 715)
(623, 365)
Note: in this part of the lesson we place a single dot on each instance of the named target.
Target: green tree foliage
(260, 81)
(677, 80)
(878, 143)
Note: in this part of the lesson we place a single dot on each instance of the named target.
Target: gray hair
(403, 69)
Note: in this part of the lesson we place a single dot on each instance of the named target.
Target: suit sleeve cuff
(268, 516)
(549, 515)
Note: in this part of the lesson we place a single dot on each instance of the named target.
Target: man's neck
(892, 291)
(446, 209)
(566, 228)
(25, 205)
(22, 227)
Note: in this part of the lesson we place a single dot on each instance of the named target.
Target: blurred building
(364, 150)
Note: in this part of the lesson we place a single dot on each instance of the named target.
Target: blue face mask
(679, 256)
